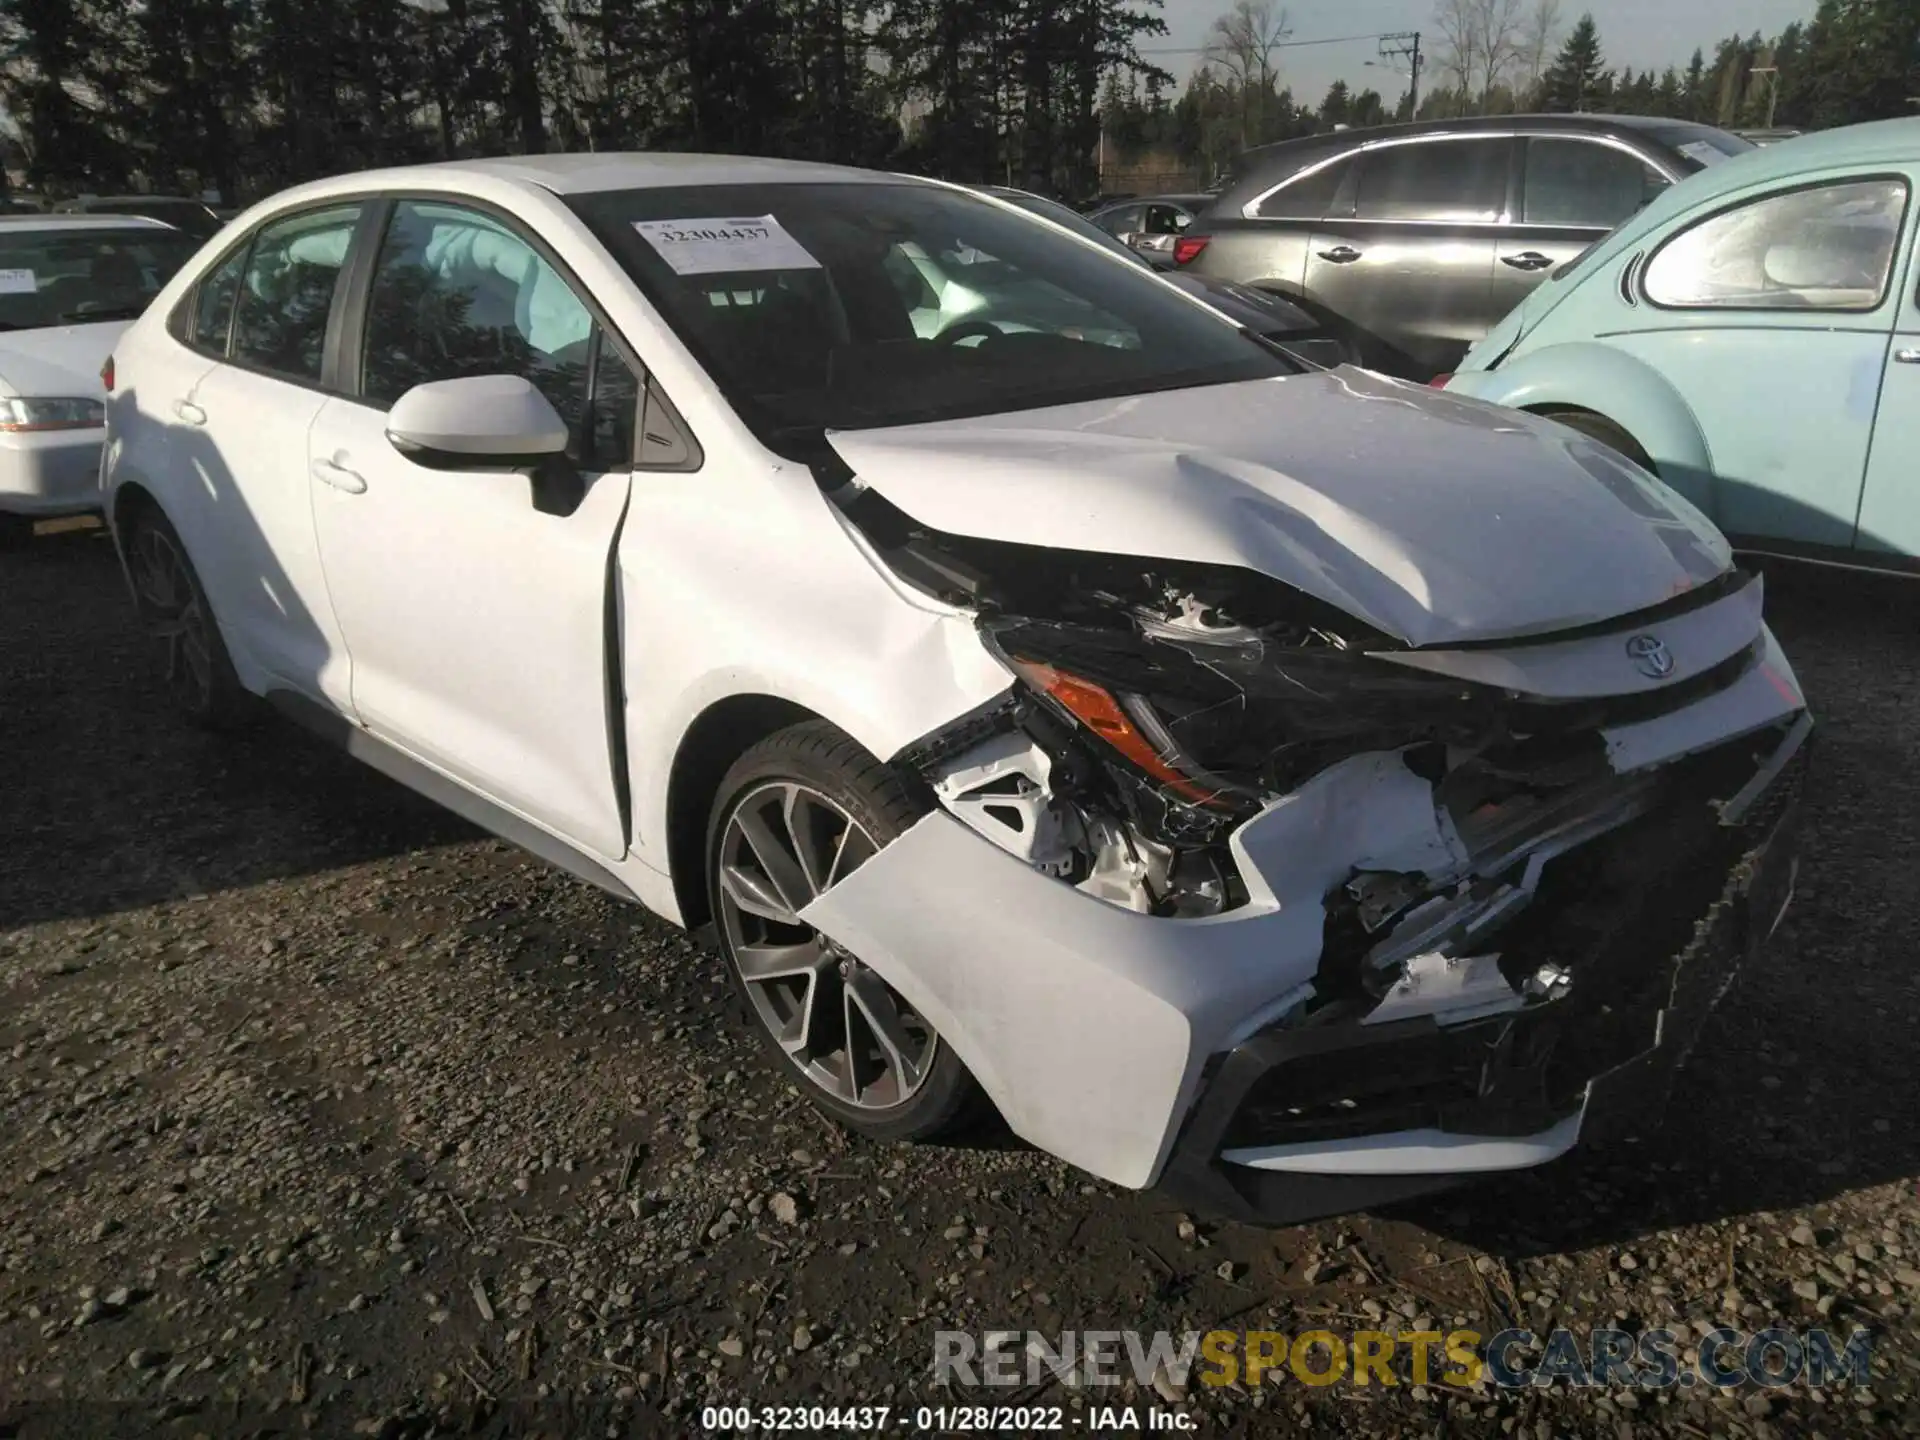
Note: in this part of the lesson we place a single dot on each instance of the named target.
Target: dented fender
(1089, 1025)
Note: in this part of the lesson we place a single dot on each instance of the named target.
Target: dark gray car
(1151, 225)
(1414, 240)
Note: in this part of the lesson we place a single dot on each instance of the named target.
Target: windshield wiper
(114, 312)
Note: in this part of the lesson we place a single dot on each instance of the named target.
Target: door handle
(189, 412)
(1906, 357)
(339, 477)
(1527, 260)
(1340, 255)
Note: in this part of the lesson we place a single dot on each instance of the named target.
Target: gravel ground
(319, 1111)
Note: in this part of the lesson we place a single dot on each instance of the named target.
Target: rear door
(1574, 189)
(1411, 263)
(240, 445)
(1265, 245)
(1890, 505)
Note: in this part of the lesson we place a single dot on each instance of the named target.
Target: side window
(1122, 221)
(286, 292)
(1585, 185)
(1462, 181)
(455, 293)
(1166, 220)
(1827, 248)
(213, 305)
(1307, 197)
(615, 407)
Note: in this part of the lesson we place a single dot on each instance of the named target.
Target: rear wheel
(193, 660)
(1598, 427)
(797, 814)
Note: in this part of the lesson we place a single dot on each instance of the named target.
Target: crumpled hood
(60, 361)
(1433, 518)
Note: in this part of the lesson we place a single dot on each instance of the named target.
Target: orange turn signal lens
(1094, 707)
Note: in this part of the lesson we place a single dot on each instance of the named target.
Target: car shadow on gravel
(112, 802)
(1797, 1092)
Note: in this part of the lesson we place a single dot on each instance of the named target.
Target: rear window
(1700, 146)
(84, 275)
(1306, 197)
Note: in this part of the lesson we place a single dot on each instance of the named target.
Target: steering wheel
(967, 330)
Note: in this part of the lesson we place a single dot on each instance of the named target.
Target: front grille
(1647, 920)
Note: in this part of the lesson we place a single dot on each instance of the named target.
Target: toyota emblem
(1650, 656)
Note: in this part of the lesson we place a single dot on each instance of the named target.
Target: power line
(1277, 45)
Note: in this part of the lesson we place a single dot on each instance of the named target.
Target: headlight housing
(23, 414)
(1221, 725)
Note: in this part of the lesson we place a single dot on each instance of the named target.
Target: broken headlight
(1220, 722)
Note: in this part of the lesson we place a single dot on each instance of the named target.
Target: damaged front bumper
(1298, 1123)
(1209, 1055)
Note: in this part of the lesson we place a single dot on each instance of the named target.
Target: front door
(1771, 318)
(1890, 505)
(479, 627)
(1412, 263)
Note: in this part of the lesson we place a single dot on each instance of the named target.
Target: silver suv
(1414, 240)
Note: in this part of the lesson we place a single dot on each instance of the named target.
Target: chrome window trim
(1251, 210)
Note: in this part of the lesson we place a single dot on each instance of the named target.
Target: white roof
(614, 170)
(81, 222)
(633, 170)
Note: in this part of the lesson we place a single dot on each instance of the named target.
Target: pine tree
(1336, 109)
(1862, 62)
(1576, 79)
(1693, 87)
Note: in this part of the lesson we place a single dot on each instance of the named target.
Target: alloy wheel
(843, 1027)
(175, 618)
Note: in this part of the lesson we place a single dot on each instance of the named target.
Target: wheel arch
(129, 500)
(1617, 387)
(719, 735)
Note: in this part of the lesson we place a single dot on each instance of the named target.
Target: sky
(1636, 33)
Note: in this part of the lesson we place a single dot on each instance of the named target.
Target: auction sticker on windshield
(718, 246)
(17, 282)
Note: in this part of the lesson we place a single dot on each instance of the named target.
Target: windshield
(847, 306)
(78, 276)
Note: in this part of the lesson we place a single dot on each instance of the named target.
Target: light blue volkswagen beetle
(1753, 336)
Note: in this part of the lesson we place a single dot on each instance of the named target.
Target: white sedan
(1288, 787)
(68, 286)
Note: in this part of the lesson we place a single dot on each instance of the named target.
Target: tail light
(1187, 248)
(106, 375)
(1439, 382)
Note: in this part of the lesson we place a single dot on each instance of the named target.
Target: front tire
(194, 664)
(794, 815)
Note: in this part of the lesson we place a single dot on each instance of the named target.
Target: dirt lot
(320, 1112)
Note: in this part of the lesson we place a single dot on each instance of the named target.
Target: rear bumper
(54, 472)
(1322, 1119)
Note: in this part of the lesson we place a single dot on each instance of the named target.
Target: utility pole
(1405, 45)
(1772, 72)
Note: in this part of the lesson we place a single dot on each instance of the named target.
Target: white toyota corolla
(1289, 787)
